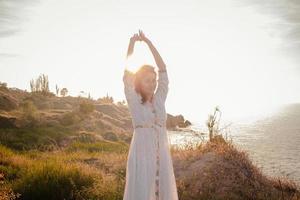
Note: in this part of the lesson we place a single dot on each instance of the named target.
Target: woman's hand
(143, 37)
(133, 39)
(158, 59)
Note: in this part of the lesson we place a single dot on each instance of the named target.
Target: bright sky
(217, 53)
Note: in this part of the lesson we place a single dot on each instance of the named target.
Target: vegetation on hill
(76, 148)
(96, 170)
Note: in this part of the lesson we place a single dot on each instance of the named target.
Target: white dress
(149, 171)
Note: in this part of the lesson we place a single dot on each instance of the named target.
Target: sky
(238, 55)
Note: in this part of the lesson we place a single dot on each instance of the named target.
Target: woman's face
(148, 83)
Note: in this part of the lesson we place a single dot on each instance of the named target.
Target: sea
(272, 142)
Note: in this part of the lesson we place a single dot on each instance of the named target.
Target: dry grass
(219, 170)
(62, 174)
(213, 170)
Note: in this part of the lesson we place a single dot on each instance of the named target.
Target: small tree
(89, 96)
(106, 99)
(64, 92)
(57, 90)
(41, 84)
(213, 123)
(3, 86)
(32, 86)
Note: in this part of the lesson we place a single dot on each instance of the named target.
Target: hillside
(76, 148)
(46, 119)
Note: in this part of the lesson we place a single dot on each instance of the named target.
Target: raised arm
(158, 59)
(128, 76)
(163, 80)
(132, 41)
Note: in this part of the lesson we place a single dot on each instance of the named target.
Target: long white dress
(149, 171)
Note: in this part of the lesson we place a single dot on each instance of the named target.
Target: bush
(69, 118)
(110, 136)
(87, 137)
(29, 112)
(86, 107)
(6, 192)
(107, 188)
(5, 152)
(40, 100)
(101, 146)
(52, 181)
(3, 85)
(42, 138)
(9, 172)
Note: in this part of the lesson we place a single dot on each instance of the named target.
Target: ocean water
(272, 142)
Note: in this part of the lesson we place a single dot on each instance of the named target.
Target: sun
(140, 57)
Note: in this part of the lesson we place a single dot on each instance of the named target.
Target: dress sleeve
(130, 93)
(163, 85)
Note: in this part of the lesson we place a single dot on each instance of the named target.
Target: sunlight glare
(139, 57)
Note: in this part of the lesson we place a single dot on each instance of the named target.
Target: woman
(149, 172)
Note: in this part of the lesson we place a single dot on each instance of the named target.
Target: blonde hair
(139, 75)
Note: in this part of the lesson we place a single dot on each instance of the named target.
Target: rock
(176, 121)
(7, 122)
(7, 102)
(187, 123)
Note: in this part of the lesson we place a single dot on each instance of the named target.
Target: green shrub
(29, 113)
(86, 107)
(40, 100)
(28, 108)
(101, 146)
(7, 171)
(110, 136)
(86, 137)
(107, 188)
(69, 118)
(5, 152)
(42, 138)
(52, 181)
(10, 172)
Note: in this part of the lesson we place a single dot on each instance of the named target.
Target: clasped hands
(136, 37)
(139, 37)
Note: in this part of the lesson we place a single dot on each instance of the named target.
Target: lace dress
(149, 171)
